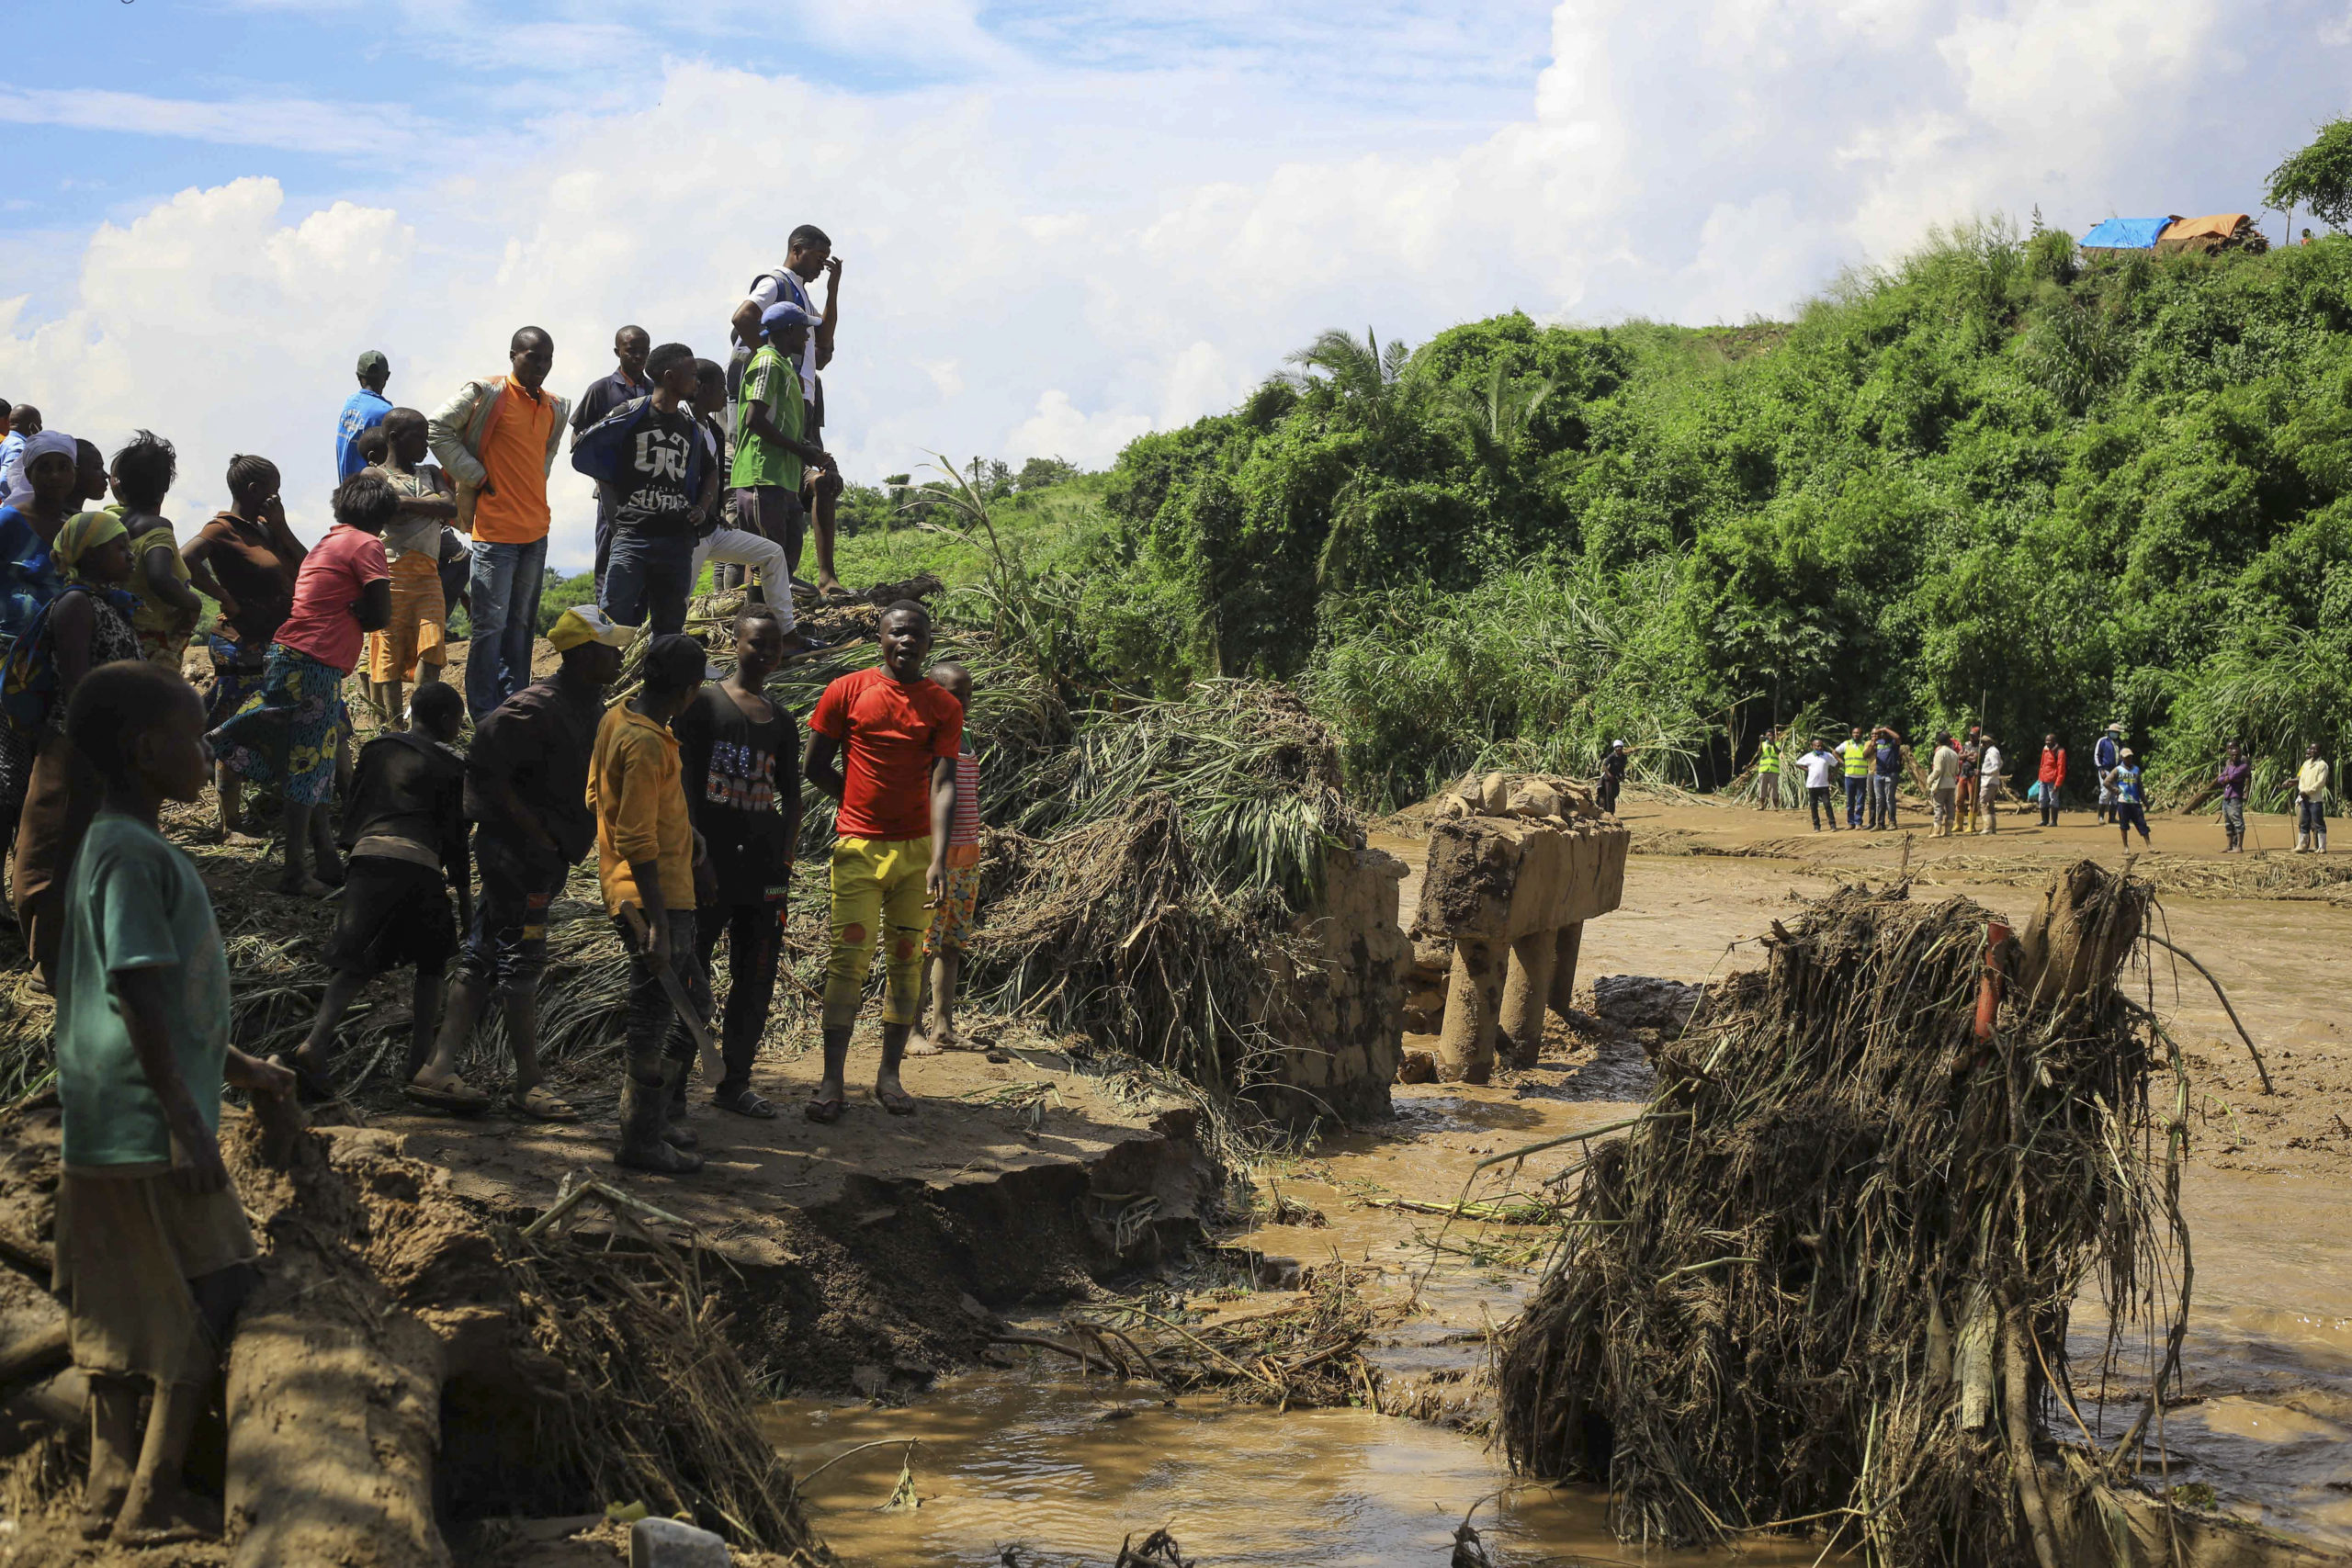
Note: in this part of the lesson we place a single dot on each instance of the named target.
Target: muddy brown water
(1036, 1457)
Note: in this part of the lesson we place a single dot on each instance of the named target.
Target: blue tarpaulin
(2127, 235)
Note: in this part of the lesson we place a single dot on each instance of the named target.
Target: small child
(404, 828)
(153, 1251)
(2130, 804)
(951, 924)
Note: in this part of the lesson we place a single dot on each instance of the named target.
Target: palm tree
(1364, 375)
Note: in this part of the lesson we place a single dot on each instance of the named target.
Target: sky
(1061, 226)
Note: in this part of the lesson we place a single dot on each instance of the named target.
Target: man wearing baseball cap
(526, 792)
(771, 424)
(365, 410)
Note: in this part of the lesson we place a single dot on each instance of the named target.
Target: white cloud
(1059, 429)
(1050, 259)
(295, 124)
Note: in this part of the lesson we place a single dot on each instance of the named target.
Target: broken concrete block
(666, 1543)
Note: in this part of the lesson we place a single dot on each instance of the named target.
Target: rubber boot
(642, 1147)
(2303, 843)
(674, 1131)
(2319, 845)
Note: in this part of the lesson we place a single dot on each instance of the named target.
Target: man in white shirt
(1821, 767)
(1988, 785)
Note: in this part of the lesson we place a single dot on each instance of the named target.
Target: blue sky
(1063, 224)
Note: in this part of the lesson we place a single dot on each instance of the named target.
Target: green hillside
(1982, 482)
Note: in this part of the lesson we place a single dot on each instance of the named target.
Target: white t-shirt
(1819, 766)
(1990, 766)
(782, 283)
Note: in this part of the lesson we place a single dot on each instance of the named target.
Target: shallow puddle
(1027, 1459)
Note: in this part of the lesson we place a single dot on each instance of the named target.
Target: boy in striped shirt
(951, 924)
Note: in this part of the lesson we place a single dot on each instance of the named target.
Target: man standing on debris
(2052, 777)
(364, 409)
(1943, 786)
(1768, 772)
(1989, 768)
(2311, 803)
(526, 794)
(627, 383)
(883, 743)
(1820, 766)
(741, 756)
(2104, 757)
(646, 851)
(2236, 773)
(1854, 758)
(497, 439)
(807, 252)
(153, 1255)
(1612, 776)
(649, 454)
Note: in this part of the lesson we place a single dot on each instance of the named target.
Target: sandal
(824, 1113)
(451, 1097)
(743, 1102)
(897, 1102)
(539, 1105)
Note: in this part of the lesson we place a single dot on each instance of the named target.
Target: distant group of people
(1966, 781)
(448, 855)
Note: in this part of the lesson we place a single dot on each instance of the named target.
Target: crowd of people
(1967, 778)
(443, 851)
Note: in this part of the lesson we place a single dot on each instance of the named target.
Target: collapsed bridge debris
(1825, 1282)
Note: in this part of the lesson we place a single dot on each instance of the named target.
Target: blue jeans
(1882, 800)
(2311, 816)
(647, 579)
(1857, 786)
(503, 600)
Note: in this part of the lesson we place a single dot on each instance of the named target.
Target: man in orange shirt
(497, 439)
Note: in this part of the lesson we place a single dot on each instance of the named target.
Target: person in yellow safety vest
(1856, 757)
(1768, 772)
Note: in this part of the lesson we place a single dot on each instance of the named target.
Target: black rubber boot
(642, 1145)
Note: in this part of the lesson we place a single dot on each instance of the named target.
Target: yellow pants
(877, 884)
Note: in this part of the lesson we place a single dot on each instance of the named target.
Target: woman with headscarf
(87, 624)
(29, 579)
(248, 560)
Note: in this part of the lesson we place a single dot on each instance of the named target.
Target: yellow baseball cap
(585, 624)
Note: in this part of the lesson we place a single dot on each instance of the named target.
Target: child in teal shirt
(153, 1251)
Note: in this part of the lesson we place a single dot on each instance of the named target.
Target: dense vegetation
(1986, 482)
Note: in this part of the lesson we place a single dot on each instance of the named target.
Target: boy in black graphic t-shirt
(739, 757)
(650, 452)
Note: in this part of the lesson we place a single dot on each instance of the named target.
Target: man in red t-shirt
(883, 743)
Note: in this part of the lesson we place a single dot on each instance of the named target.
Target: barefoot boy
(153, 1248)
(951, 924)
(404, 828)
(883, 743)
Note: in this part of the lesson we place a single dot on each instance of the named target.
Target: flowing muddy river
(1064, 1467)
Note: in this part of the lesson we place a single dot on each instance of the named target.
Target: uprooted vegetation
(1827, 1280)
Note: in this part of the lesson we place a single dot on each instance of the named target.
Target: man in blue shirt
(367, 407)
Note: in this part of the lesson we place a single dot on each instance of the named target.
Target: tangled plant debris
(1826, 1280)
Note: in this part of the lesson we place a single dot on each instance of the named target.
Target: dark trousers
(2130, 813)
(1608, 793)
(2049, 805)
(1856, 788)
(648, 580)
(651, 1018)
(754, 935)
(604, 536)
(1883, 800)
(507, 945)
(1817, 797)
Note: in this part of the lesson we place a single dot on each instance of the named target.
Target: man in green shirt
(1768, 772)
(770, 417)
(153, 1253)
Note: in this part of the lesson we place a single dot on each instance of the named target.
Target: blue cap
(784, 313)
